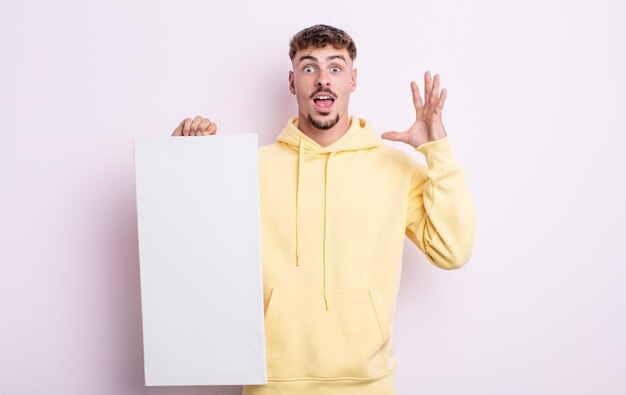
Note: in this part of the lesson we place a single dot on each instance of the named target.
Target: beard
(323, 125)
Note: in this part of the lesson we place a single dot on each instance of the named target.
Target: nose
(322, 79)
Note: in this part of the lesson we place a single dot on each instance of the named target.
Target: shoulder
(269, 150)
(402, 162)
(275, 154)
(396, 157)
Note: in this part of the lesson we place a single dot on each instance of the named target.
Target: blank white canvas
(200, 260)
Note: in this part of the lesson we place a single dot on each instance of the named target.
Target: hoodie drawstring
(298, 220)
(301, 151)
(326, 255)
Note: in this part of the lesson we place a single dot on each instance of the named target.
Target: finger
(178, 131)
(212, 128)
(434, 93)
(442, 100)
(203, 126)
(186, 126)
(394, 136)
(194, 131)
(417, 100)
(194, 125)
(427, 88)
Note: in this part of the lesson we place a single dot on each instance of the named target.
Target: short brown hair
(319, 36)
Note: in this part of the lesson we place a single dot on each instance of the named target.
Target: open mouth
(323, 102)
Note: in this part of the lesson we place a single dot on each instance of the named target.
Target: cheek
(301, 96)
(300, 85)
(345, 91)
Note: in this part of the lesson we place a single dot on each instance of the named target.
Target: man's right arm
(198, 126)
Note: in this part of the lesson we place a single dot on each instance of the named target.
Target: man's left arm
(441, 215)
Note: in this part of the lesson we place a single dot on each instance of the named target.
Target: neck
(324, 137)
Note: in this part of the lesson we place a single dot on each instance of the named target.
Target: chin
(326, 123)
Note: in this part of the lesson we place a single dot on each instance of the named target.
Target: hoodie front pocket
(304, 340)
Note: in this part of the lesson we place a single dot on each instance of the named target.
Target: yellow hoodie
(333, 222)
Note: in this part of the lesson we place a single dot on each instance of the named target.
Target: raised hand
(428, 125)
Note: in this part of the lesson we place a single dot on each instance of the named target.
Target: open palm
(428, 125)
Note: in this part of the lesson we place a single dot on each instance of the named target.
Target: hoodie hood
(359, 136)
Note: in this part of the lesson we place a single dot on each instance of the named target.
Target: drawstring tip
(326, 301)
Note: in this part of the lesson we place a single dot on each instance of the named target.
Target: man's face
(322, 80)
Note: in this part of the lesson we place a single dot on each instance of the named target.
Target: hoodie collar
(359, 135)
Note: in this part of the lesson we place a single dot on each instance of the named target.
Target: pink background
(534, 110)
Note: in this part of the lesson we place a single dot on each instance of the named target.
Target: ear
(292, 85)
(353, 81)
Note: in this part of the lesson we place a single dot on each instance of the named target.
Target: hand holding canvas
(199, 126)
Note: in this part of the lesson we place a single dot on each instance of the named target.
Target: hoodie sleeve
(441, 214)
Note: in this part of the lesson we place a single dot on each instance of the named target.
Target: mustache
(330, 93)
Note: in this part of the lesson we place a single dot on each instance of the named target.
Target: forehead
(321, 55)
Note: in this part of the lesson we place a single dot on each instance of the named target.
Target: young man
(336, 204)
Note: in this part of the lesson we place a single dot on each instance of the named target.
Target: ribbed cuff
(438, 153)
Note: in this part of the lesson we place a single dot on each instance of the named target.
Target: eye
(336, 69)
(308, 69)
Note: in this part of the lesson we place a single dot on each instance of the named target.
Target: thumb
(394, 136)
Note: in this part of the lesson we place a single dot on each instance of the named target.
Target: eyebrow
(328, 58)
